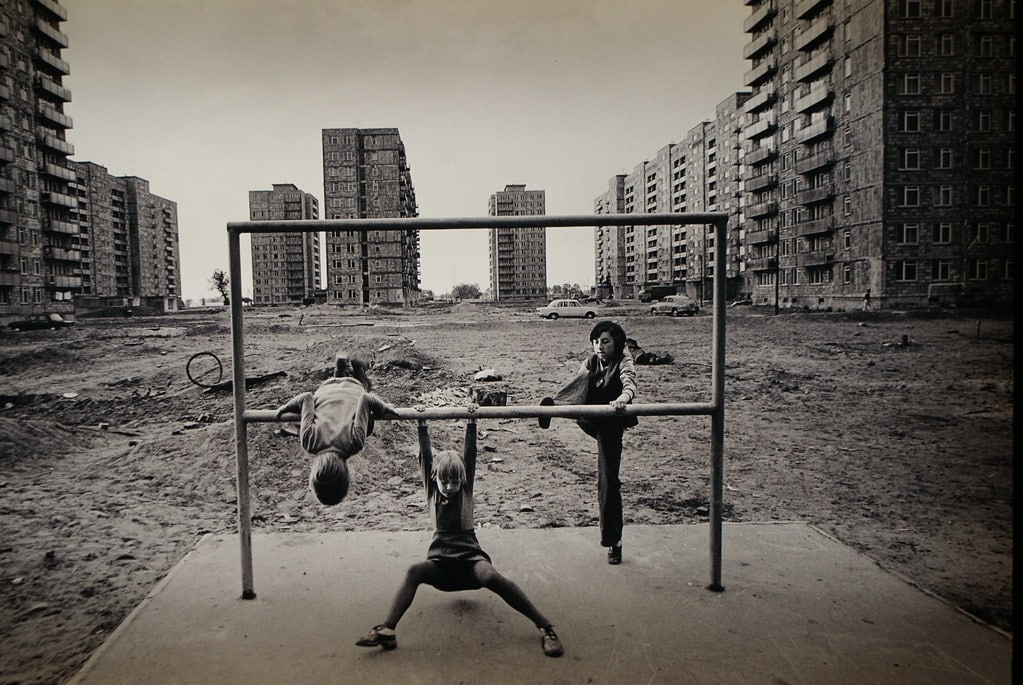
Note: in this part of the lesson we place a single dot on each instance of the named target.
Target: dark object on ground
(40, 322)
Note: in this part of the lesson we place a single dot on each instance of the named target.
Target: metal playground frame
(715, 408)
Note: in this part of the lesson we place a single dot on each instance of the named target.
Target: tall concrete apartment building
(285, 266)
(40, 262)
(127, 246)
(700, 173)
(366, 175)
(70, 233)
(880, 151)
(518, 257)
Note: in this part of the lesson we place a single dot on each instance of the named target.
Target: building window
(911, 84)
(947, 85)
(985, 47)
(947, 45)
(941, 270)
(911, 9)
(981, 232)
(976, 269)
(942, 233)
(907, 234)
(909, 46)
(983, 159)
(910, 197)
(945, 9)
(945, 158)
(944, 196)
(983, 196)
(909, 122)
(847, 205)
(984, 84)
(983, 9)
(847, 273)
(944, 120)
(905, 270)
(847, 239)
(1008, 272)
(910, 158)
(847, 171)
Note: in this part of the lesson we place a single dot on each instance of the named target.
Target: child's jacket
(339, 416)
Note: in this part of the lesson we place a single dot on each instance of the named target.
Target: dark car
(40, 322)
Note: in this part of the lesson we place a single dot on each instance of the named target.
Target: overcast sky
(208, 99)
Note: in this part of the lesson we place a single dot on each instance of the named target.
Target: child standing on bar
(455, 561)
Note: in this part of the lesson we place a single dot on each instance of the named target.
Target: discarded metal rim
(203, 380)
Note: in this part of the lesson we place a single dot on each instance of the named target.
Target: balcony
(813, 67)
(48, 112)
(8, 186)
(760, 72)
(815, 130)
(44, 27)
(807, 8)
(10, 278)
(59, 172)
(815, 258)
(5, 124)
(815, 162)
(761, 182)
(758, 18)
(5, 91)
(812, 196)
(8, 247)
(813, 34)
(761, 263)
(819, 96)
(765, 153)
(59, 199)
(58, 226)
(761, 99)
(55, 143)
(8, 216)
(61, 254)
(761, 209)
(761, 237)
(765, 125)
(48, 85)
(56, 64)
(58, 12)
(815, 226)
(62, 282)
(758, 46)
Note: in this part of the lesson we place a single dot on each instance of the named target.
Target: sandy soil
(891, 432)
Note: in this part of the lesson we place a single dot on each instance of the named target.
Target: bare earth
(114, 463)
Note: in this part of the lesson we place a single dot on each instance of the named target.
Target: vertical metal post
(241, 444)
(717, 425)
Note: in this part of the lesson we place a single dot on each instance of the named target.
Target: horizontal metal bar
(421, 223)
(567, 411)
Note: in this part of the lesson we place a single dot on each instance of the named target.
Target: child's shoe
(550, 642)
(379, 636)
(614, 555)
(545, 421)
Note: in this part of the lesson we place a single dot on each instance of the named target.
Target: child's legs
(417, 574)
(609, 485)
(509, 592)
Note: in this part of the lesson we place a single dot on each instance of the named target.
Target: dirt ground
(890, 431)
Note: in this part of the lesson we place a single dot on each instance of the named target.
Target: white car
(566, 309)
(676, 305)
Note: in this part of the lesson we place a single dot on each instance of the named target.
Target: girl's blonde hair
(448, 465)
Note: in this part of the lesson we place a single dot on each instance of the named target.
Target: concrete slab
(798, 607)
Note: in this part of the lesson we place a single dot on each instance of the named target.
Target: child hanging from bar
(455, 561)
(336, 420)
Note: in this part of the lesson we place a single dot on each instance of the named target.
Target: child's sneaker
(614, 555)
(550, 642)
(379, 636)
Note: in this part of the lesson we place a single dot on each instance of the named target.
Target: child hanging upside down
(336, 420)
(455, 560)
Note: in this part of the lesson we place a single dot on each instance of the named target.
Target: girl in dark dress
(455, 560)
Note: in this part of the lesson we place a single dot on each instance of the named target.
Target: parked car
(655, 292)
(40, 322)
(676, 305)
(567, 309)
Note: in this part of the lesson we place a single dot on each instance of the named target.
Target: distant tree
(221, 283)
(466, 291)
(555, 290)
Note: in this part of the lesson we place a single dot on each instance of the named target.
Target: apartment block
(879, 152)
(127, 247)
(699, 173)
(518, 257)
(285, 266)
(366, 175)
(40, 265)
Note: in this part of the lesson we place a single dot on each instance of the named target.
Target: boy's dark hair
(616, 332)
(329, 478)
(346, 366)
